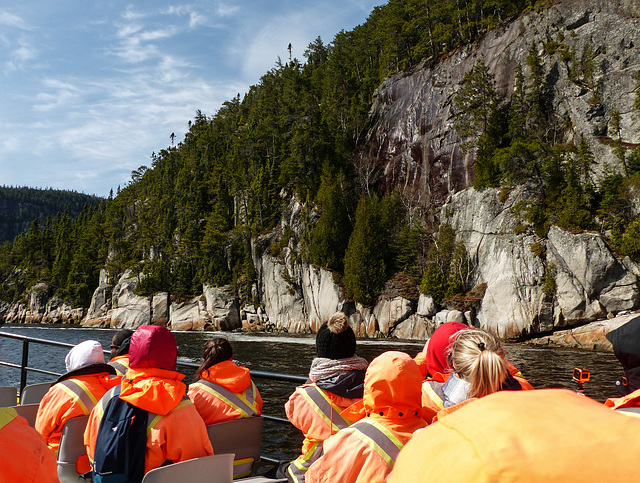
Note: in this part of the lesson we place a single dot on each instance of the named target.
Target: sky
(90, 89)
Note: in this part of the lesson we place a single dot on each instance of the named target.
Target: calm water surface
(543, 367)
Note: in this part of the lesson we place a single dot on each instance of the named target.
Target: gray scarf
(323, 368)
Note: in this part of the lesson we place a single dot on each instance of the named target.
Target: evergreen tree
(364, 261)
(330, 236)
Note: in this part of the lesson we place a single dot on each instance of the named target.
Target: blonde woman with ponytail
(479, 368)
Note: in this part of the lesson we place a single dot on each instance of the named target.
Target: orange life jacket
(318, 414)
(224, 393)
(24, 457)
(68, 399)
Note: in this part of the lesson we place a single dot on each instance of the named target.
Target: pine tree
(364, 265)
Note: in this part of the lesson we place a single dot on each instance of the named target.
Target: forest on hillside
(21, 206)
(189, 216)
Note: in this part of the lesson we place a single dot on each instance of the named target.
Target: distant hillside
(20, 206)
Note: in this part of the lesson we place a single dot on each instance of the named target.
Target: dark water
(543, 367)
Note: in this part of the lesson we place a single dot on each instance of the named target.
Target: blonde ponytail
(478, 358)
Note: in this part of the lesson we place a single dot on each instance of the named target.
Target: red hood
(439, 344)
(153, 346)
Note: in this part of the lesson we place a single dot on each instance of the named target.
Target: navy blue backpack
(121, 443)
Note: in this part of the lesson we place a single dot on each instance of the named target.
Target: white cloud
(9, 20)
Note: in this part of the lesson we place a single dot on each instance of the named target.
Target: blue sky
(89, 89)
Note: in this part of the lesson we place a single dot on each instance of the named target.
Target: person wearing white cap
(76, 392)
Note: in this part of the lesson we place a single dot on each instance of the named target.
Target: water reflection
(543, 367)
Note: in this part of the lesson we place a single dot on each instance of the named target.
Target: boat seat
(8, 396)
(28, 412)
(242, 437)
(217, 468)
(33, 393)
(71, 448)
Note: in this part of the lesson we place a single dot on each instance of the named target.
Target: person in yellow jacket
(175, 430)
(318, 408)
(24, 457)
(366, 451)
(224, 391)
(76, 392)
(524, 436)
(120, 351)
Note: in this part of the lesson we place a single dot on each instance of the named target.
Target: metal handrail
(25, 369)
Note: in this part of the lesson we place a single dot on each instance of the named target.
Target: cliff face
(413, 140)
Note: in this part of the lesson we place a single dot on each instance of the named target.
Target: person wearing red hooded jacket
(366, 451)
(175, 430)
(224, 390)
(24, 457)
(76, 392)
(319, 408)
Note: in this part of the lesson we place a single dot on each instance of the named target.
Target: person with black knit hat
(319, 408)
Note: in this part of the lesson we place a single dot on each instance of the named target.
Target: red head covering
(153, 346)
(439, 344)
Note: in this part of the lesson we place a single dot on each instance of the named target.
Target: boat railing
(25, 369)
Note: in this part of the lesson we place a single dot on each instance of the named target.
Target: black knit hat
(335, 339)
(626, 346)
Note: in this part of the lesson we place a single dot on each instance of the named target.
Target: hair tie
(481, 346)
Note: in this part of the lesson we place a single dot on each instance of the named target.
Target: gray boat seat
(8, 396)
(242, 437)
(71, 448)
(217, 468)
(33, 393)
(28, 412)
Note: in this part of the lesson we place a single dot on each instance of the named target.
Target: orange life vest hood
(393, 386)
(229, 375)
(155, 390)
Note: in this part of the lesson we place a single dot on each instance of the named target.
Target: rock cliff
(413, 140)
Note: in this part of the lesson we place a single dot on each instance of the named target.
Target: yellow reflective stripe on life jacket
(121, 367)
(433, 395)
(80, 393)
(6, 416)
(327, 410)
(154, 418)
(300, 465)
(244, 402)
(379, 438)
(242, 467)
